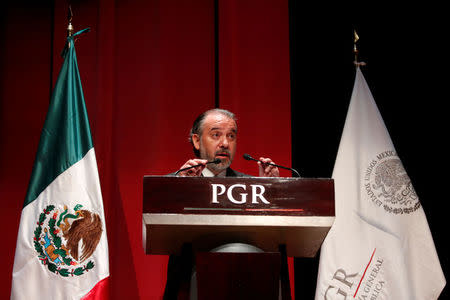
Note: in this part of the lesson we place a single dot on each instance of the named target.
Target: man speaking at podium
(213, 137)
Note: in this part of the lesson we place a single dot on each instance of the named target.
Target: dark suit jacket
(233, 173)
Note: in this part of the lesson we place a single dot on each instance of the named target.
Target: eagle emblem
(393, 183)
(388, 185)
(64, 239)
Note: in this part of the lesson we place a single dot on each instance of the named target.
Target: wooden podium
(291, 214)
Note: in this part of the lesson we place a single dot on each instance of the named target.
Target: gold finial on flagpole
(69, 19)
(355, 50)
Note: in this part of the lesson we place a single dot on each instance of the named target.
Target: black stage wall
(408, 76)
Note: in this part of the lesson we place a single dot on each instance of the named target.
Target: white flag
(380, 246)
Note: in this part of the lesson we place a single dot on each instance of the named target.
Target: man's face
(217, 140)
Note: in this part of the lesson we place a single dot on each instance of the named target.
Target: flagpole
(69, 19)
(355, 50)
(69, 26)
(70, 33)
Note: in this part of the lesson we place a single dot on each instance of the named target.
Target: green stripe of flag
(66, 136)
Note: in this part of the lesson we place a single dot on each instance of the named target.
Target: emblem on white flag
(388, 185)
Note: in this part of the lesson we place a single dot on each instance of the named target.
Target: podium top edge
(243, 178)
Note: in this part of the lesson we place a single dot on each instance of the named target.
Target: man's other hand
(266, 170)
(197, 171)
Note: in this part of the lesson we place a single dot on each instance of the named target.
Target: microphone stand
(248, 157)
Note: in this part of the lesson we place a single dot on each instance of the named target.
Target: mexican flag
(62, 249)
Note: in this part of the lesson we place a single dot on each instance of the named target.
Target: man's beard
(216, 168)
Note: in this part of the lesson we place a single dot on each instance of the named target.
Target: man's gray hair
(197, 127)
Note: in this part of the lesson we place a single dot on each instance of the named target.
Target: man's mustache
(223, 152)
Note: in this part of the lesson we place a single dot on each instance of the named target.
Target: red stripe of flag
(99, 292)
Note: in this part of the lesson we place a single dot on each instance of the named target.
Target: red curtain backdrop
(148, 69)
(254, 78)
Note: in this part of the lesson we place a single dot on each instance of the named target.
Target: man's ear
(196, 141)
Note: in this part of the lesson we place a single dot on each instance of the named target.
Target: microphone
(248, 157)
(216, 161)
